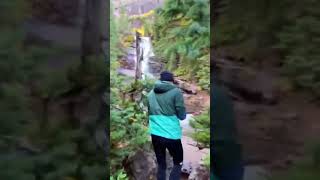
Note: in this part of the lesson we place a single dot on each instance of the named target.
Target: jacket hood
(163, 86)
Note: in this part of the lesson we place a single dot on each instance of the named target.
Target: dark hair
(166, 76)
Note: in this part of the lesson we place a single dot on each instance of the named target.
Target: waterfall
(147, 52)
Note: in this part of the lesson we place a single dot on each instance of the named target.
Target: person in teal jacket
(226, 156)
(166, 108)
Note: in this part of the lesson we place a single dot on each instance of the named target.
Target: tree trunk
(138, 73)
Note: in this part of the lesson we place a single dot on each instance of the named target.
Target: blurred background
(53, 75)
(266, 53)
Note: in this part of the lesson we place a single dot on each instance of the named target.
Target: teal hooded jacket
(166, 108)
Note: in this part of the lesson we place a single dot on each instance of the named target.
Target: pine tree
(128, 127)
(183, 35)
(299, 41)
(30, 149)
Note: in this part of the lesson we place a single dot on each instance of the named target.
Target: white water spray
(147, 50)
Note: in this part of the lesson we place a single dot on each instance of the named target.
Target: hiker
(226, 162)
(166, 108)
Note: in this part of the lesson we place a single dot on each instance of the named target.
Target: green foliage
(13, 12)
(13, 109)
(123, 23)
(55, 152)
(315, 154)
(299, 41)
(120, 175)
(306, 169)
(58, 160)
(203, 73)
(114, 37)
(148, 25)
(207, 161)
(128, 125)
(182, 34)
(201, 124)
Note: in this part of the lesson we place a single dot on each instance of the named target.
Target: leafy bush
(120, 175)
(201, 124)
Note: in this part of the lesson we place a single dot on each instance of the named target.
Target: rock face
(154, 66)
(267, 122)
(199, 173)
(254, 86)
(142, 166)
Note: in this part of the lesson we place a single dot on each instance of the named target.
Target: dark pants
(174, 147)
(234, 172)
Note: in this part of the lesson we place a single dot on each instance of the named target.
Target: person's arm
(180, 107)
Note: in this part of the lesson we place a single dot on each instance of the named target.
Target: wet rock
(199, 172)
(142, 166)
(186, 167)
(155, 67)
(187, 96)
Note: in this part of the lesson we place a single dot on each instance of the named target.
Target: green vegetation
(32, 144)
(182, 38)
(128, 114)
(201, 124)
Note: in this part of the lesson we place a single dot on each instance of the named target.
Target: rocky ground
(273, 120)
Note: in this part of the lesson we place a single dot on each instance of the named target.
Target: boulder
(199, 172)
(142, 166)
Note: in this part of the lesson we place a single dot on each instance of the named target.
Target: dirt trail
(195, 104)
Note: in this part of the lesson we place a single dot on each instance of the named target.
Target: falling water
(147, 50)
